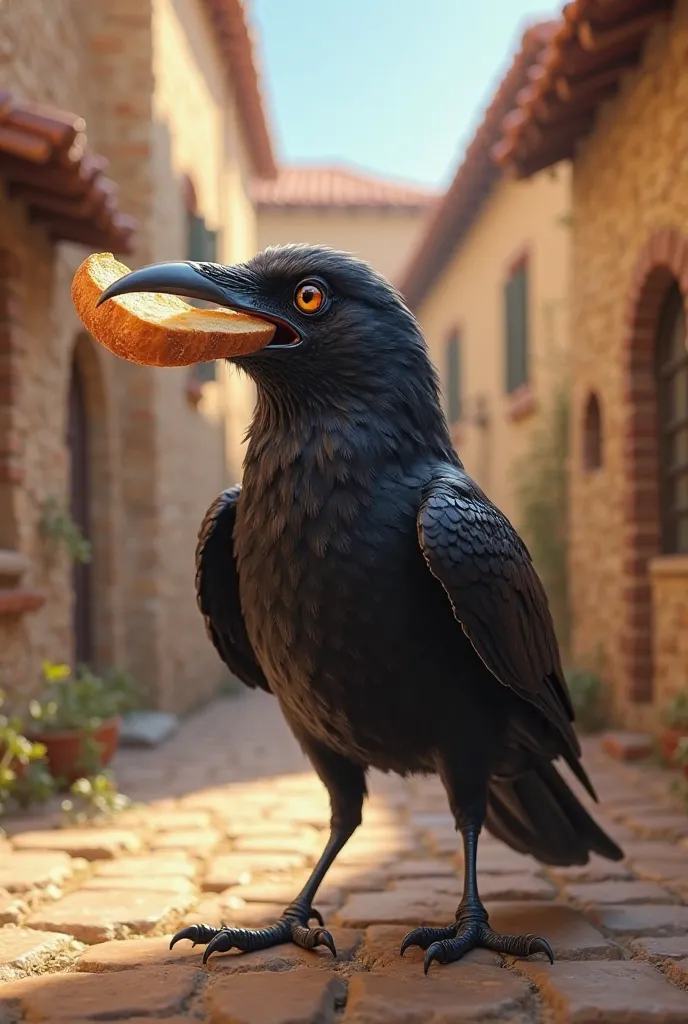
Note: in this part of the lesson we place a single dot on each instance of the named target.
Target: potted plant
(24, 776)
(78, 721)
(675, 720)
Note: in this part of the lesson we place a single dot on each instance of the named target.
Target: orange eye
(309, 297)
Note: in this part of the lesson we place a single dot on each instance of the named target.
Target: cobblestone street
(233, 818)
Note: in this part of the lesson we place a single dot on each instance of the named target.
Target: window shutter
(196, 242)
(516, 329)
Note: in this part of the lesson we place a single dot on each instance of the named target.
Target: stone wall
(156, 459)
(630, 213)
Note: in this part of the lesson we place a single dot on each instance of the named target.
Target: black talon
(325, 939)
(220, 943)
(424, 937)
(434, 952)
(540, 945)
(317, 916)
(196, 933)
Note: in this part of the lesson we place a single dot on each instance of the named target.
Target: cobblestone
(592, 993)
(23, 872)
(238, 851)
(299, 997)
(94, 916)
(460, 994)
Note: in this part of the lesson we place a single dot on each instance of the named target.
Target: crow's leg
(470, 928)
(347, 788)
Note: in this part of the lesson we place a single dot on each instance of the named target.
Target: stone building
(169, 93)
(380, 220)
(488, 282)
(610, 93)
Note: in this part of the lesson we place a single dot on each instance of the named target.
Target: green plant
(57, 523)
(92, 797)
(588, 697)
(675, 713)
(681, 755)
(24, 779)
(82, 700)
(542, 496)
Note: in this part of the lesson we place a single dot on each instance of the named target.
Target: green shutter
(516, 329)
(453, 372)
(210, 245)
(196, 243)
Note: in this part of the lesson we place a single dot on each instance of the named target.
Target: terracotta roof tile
(595, 43)
(476, 177)
(46, 165)
(235, 38)
(337, 186)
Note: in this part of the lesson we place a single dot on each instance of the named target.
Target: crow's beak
(224, 286)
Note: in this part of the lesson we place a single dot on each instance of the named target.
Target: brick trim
(11, 462)
(662, 262)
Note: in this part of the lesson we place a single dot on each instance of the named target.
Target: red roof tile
(337, 186)
(45, 162)
(236, 42)
(596, 42)
(476, 177)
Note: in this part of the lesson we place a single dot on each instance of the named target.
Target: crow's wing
(217, 590)
(497, 597)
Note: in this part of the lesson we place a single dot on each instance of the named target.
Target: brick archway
(663, 262)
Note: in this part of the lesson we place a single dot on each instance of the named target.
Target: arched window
(672, 396)
(592, 434)
(453, 383)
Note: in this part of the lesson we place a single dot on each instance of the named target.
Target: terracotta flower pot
(669, 740)
(63, 749)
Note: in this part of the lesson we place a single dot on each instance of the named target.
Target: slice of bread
(159, 330)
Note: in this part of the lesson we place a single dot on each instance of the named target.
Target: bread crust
(187, 335)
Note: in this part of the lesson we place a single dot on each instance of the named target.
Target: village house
(488, 282)
(377, 219)
(169, 94)
(610, 93)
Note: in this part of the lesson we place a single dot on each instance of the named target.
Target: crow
(362, 576)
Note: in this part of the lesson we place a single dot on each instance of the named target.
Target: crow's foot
(291, 927)
(471, 931)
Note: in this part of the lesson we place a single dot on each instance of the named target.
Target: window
(672, 394)
(201, 241)
(592, 434)
(516, 327)
(453, 377)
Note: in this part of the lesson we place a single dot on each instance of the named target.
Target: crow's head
(340, 326)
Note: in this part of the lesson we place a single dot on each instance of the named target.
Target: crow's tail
(535, 812)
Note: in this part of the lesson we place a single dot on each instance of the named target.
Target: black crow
(361, 576)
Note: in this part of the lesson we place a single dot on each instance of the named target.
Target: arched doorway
(672, 396)
(80, 508)
(655, 374)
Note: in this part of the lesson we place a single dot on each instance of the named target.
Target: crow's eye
(310, 297)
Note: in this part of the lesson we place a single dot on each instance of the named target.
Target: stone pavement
(232, 820)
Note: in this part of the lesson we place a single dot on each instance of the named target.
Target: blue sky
(395, 86)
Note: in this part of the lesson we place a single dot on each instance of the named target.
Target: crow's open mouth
(284, 336)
